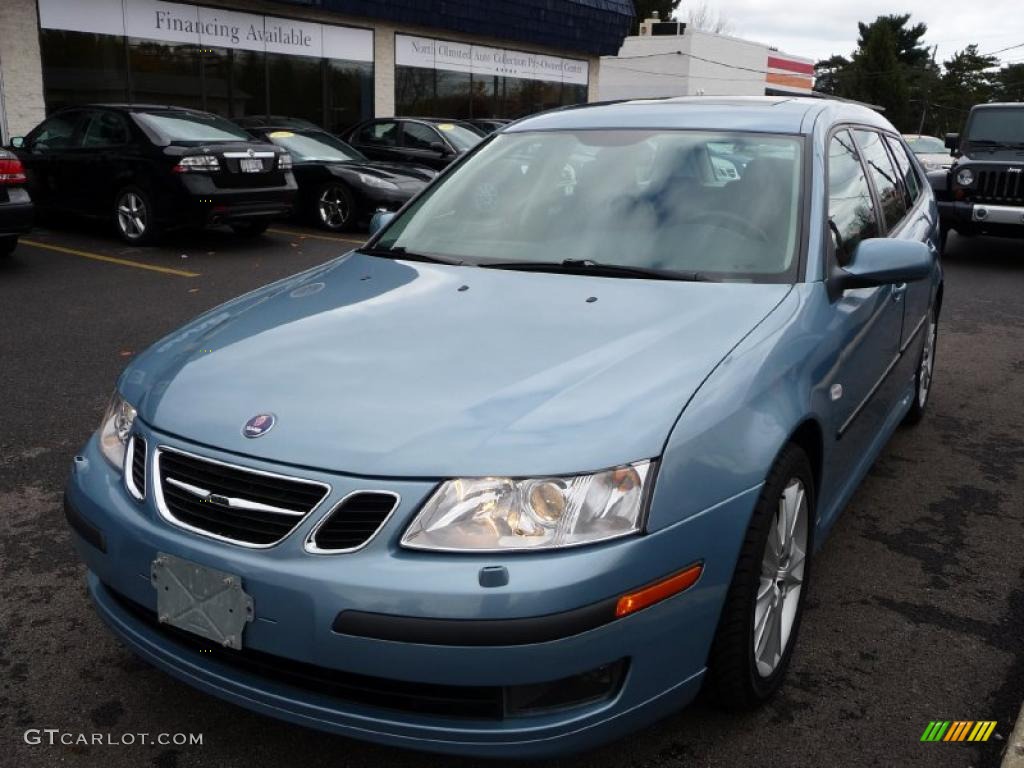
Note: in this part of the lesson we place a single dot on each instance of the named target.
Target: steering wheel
(729, 220)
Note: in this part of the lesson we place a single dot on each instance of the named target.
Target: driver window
(851, 213)
(57, 132)
(419, 136)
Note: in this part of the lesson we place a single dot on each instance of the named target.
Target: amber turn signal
(660, 590)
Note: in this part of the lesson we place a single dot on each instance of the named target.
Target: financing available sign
(429, 53)
(209, 27)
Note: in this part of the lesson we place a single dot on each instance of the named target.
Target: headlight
(376, 181)
(284, 162)
(500, 513)
(965, 177)
(115, 428)
(931, 165)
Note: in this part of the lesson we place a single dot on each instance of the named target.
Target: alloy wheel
(781, 579)
(132, 216)
(333, 208)
(924, 377)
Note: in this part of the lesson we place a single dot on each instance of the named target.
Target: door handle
(898, 291)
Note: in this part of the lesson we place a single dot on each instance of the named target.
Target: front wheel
(134, 216)
(925, 376)
(250, 228)
(334, 207)
(761, 614)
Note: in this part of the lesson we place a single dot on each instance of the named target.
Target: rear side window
(379, 134)
(887, 183)
(851, 213)
(907, 170)
(105, 129)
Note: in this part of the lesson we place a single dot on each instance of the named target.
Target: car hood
(395, 172)
(392, 368)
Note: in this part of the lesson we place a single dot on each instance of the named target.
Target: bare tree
(701, 16)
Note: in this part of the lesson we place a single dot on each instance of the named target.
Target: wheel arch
(810, 438)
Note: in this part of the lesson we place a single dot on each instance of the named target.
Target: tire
(250, 228)
(7, 245)
(135, 217)
(334, 207)
(924, 379)
(744, 667)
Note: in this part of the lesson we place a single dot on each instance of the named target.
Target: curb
(1014, 757)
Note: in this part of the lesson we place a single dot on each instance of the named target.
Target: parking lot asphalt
(915, 610)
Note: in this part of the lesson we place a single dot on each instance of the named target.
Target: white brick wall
(20, 70)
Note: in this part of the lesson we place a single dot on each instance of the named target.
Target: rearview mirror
(380, 220)
(440, 146)
(884, 261)
(952, 141)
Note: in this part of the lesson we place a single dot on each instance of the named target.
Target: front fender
(727, 438)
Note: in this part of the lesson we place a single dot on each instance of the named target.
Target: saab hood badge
(259, 425)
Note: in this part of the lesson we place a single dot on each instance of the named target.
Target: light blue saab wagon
(549, 453)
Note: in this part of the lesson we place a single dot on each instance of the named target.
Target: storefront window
(81, 67)
(348, 96)
(414, 92)
(165, 73)
(215, 74)
(484, 96)
(296, 87)
(453, 94)
(574, 94)
(248, 83)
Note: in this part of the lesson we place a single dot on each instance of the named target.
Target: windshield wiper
(588, 267)
(401, 252)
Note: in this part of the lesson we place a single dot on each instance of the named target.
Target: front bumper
(969, 217)
(298, 597)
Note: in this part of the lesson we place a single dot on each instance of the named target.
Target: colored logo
(259, 425)
(958, 730)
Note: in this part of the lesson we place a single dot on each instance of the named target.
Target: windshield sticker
(281, 135)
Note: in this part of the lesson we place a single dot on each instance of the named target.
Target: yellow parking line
(316, 237)
(110, 259)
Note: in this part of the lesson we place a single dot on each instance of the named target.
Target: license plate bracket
(201, 600)
(250, 165)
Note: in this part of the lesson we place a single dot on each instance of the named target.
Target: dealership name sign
(209, 27)
(429, 53)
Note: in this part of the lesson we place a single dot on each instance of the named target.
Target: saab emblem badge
(259, 425)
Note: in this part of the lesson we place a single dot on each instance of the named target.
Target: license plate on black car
(250, 165)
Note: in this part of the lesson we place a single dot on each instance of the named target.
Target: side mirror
(440, 146)
(380, 220)
(952, 141)
(884, 261)
(18, 142)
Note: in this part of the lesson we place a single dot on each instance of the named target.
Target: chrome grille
(135, 470)
(232, 503)
(1000, 187)
(353, 522)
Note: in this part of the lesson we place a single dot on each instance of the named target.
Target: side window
(379, 134)
(105, 129)
(851, 213)
(907, 169)
(887, 183)
(419, 136)
(56, 133)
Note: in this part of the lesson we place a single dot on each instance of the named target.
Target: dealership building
(333, 62)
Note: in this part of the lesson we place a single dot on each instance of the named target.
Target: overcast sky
(819, 28)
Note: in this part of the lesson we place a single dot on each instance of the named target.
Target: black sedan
(15, 203)
(427, 141)
(488, 124)
(153, 168)
(338, 186)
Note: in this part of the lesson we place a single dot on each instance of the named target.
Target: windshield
(315, 147)
(725, 206)
(927, 145)
(173, 126)
(462, 138)
(998, 126)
